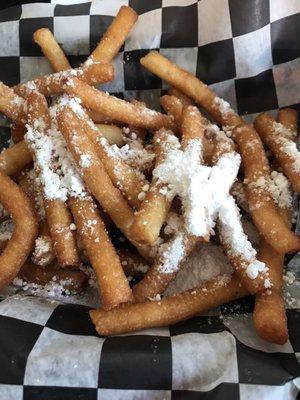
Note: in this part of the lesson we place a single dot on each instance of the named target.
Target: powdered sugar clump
(223, 106)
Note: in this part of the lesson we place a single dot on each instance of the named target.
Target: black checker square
(11, 14)
(215, 62)
(142, 6)
(179, 26)
(135, 75)
(17, 338)
(285, 35)
(256, 94)
(77, 60)
(10, 70)
(201, 324)
(72, 319)
(224, 391)
(98, 26)
(293, 318)
(239, 306)
(141, 362)
(58, 393)
(27, 27)
(62, 10)
(261, 368)
(5, 136)
(248, 15)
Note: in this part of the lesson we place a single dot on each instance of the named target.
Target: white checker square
(31, 67)
(174, 3)
(265, 392)
(186, 59)
(58, 359)
(226, 90)
(202, 361)
(122, 394)
(146, 33)
(117, 85)
(73, 33)
(213, 21)
(279, 9)
(287, 82)
(30, 309)
(11, 392)
(39, 10)
(104, 7)
(10, 46)
(253, 52)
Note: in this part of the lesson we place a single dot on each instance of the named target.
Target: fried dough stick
(57, 213)
(122, 175)
(15, 158)
(17, 132)
(115, 36)
(51, 49)
(154, 208)
(274, 134)
(25, 231)
(113, 285)
(73, 281)
(52, 84)
(288, 117)
(94, 174)
(269, 315)
(262, 207)
(139, 316)
(118, 109)
(192, 87)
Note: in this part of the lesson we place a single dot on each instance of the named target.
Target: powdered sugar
(85, 160)
(57, 171)
(238, 245)
(288, 146)
(223, 106)
(171, 254)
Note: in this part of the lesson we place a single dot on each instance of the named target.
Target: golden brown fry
(15, 158)
(192, 126)
(57, 213)
(125, 178)
(269, 315)
(117, 109)
(134, 317)
(12, 105)
(17, 132)
(263, 210)
(284, 149)
(113, 285)
(115, 36)
(43, 253)
(192, 87)
(51, 49)
(172, 106)
(52, 84)
(288, 117)
(25, 231)
(132, 263)
(94, 174)
(72, 281)
(164, 269)
(154, 208)
(185, 100)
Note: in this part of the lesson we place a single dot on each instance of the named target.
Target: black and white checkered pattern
(248, 52)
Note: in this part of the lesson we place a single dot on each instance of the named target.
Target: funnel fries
(51, 49)
(113, 285)
(274, 135)
(15, 158)
(135, 317)
(117, 109)
(19, 246)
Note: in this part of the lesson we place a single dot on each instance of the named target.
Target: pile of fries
(91, 161)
